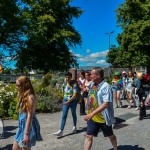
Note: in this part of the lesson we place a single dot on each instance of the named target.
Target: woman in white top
(81, 81)
(129, 87)
(86, 85)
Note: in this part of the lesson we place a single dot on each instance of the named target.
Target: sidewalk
(131, 133)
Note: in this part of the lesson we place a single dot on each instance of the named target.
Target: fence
(12, 78)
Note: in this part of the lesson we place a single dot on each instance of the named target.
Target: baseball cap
(116, 73)
(123, 72)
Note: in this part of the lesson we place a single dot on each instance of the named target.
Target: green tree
(11, 28)
(134, 42)
(49, 33)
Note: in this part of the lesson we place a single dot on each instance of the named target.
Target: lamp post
(109, 33)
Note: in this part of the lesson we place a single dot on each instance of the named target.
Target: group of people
(96, 98)
(96, 104)
(129, 85)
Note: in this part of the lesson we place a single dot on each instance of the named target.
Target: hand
(88, 117)
(26, 139)
(66, 103)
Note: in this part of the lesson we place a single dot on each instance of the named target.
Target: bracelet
(26, 133)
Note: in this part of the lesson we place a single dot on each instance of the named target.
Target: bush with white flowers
(8, 95)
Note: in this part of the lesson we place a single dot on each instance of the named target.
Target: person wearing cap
(117, 87)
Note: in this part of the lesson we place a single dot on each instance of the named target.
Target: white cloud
(99, 54)
(88, 51)
(101, 61)
(93, 59)
(78, 55)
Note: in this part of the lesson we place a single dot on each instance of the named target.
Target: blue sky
(99, 17)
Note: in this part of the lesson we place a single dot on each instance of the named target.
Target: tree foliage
(11, 28)
(49, 32)
(38, 33)
(134, 42)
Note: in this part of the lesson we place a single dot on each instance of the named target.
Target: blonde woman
(29, 129)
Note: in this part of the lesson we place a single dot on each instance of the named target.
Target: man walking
(100, 109)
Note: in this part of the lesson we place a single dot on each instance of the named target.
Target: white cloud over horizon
(93, 59)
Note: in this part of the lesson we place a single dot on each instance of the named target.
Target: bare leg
(118, 98)
(88, 142)
(129, 98)
(16, 146)
(113, 140)
(26, 148)
(115, 97)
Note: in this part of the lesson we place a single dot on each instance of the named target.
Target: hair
(82, 72)
(131, 73)
(87, 72)
(68, 74)
(99, 70)
(26, 89)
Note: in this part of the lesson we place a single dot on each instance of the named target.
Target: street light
(109, 33)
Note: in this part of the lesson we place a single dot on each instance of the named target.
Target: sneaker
(74, 130)
(129, 106)
(59, 133)
(116, 107)
(137, 108)
(120, 105)
(131, 101)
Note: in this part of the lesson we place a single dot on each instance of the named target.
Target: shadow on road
(8, 134)
(129, 147)
(8, 147)
(9, 128)
(81, 129)
(119, 124)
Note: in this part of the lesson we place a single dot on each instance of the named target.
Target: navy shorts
(94, 127)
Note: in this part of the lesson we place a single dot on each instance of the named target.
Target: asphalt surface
(131, 133)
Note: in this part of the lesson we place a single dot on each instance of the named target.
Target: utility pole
(109, 33)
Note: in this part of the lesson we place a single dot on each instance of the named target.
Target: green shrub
(46, 79)
(7, 95)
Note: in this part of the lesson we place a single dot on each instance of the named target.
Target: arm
(29, 119)
(96, 111)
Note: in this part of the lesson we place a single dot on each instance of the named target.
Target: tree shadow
(129, 147)
(9, 128)
(7, 147)
(8, 134)
(81, 129)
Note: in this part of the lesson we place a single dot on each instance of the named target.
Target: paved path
(131, 133)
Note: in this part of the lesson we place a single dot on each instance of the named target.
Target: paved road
(131, 133)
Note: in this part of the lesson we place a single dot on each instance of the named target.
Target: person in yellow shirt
(100, 109)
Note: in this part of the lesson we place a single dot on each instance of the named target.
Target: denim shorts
(94, 127)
